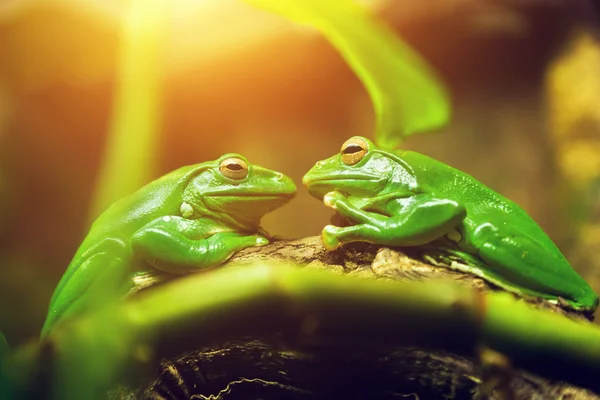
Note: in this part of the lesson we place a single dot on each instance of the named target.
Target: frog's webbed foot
(259, 240)
(329, 237)
(332, 199)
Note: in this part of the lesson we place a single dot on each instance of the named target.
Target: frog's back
(125, 216)
(485, 206)
(110, 234)
(482, 203)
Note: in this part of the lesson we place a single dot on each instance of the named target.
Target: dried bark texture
(252, 368)
(373, 261)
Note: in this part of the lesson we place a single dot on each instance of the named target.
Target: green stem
(315, 308)
(547, 343)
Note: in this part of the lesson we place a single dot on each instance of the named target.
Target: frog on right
(404, 198)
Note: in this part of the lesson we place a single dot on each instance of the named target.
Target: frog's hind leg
(94, 282)
(458, 260)
(526, 267)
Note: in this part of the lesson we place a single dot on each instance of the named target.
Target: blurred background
(524, 78)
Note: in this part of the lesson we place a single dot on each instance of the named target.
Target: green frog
(191, 219)
(404, 198)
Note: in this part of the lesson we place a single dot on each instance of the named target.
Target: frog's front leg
(414, 221)
(340, 203)
(178, 245)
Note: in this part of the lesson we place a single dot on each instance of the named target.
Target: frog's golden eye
(353, 151)
(234, 168)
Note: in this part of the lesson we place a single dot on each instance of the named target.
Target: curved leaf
(406, 95)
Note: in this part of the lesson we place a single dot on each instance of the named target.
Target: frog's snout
(289, 187)
(305, 180)
(306, 177)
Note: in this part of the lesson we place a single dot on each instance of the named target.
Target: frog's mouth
(318, 186)
(252, 196)
(246, 195)
(244, 210)
(247, 205)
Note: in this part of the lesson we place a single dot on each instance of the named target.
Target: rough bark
(253, 367)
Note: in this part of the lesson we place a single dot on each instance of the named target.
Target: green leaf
(406, 95)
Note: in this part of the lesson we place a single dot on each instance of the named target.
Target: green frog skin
(191, 219)
(403, 198)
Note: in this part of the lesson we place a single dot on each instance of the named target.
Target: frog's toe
(329, 199)
(329, 237)
(332, 198)
(261, 241)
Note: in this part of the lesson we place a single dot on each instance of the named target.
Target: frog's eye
(353, 151)
(234, 168)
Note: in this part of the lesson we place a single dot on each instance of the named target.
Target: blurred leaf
(4, 348)
(406, 95)
(132, 141)
(125, 341)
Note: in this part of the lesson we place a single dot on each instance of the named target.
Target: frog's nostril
(319, 164)
(279, 176)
